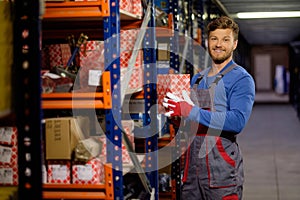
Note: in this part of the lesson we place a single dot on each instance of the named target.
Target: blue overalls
(213, 166)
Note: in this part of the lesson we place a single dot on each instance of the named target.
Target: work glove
(176, 106)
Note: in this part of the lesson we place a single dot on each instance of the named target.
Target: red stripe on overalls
(231, 197)
(223, 153)
(187, 162)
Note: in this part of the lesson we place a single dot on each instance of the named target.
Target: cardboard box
(62, 135)
(163, 52)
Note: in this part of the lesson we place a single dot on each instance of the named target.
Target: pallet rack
(28, 18)
(27, 58)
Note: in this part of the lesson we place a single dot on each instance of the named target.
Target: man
(221, 102)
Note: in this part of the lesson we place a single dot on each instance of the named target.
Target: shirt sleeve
(240, 99)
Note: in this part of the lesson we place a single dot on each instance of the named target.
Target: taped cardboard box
(62, 135)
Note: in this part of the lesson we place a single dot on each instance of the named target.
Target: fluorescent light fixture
(257, 15)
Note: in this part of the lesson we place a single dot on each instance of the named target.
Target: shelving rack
(27, 67)
(111, 26)
(150, 97)
(27, 93)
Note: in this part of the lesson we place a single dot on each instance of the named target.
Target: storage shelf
(81, 191)
(73, 186)
(73, 195)
(99, 100)
(83, 10)
(63, 10)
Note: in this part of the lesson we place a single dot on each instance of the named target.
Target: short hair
(224, 22)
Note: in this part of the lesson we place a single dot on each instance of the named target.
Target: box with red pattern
(132, 6)
(127, 42)
(137, 8)
(9, 175)
(59, 171)
(91, 172)
(136, 75)
(103, 154)
(58, 54)
(92, 54)
(174, 83)
(91, 65)
(127, 39)
(8, 136)
(128, 127)
(9, 155)
(126, 5)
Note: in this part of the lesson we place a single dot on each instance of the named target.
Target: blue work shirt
(233, 101)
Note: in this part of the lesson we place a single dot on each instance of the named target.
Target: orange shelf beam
(72, 95)
(90, 100)
(73, 195)
(69, 104)
(76, 9)
(82, 191)
(73, 186)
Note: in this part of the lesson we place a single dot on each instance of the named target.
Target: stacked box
(103, 155)
(92, 60)
(137, 8)
(128, 39)
(91, 172)
(128, 126)
(92, 65)
(59, 171)
(132, 6)
(8, 156)
(58, 55)
(62, 134)
(174, 83)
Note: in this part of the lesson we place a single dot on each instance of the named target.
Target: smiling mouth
(218, 50)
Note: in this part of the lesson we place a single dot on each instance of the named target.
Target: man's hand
(176, 106)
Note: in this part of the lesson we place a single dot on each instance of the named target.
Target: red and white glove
(176, 106)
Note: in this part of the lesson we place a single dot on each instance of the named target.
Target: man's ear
(235, 44)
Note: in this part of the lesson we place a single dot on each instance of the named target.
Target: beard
(219, 59)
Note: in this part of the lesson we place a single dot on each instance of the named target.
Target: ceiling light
(257, 15)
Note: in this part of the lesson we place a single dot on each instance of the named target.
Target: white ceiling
(265, 31)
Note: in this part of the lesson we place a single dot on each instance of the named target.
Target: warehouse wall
(279, 56)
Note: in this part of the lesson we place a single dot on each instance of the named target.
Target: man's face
(221, 45)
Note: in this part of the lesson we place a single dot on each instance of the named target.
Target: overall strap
(218, 78)
(220, 75)
(201, 76)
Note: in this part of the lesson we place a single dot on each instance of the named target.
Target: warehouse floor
(271, 147)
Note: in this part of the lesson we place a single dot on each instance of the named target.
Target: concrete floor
(270, 144)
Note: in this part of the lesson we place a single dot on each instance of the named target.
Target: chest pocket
(204, 98)
(201, 97)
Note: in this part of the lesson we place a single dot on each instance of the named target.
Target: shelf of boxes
(82, 191)
(28, 34)
(77, 100)
(87, 15)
